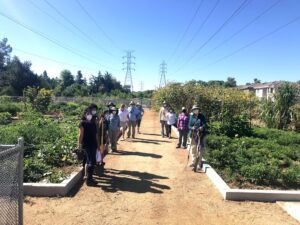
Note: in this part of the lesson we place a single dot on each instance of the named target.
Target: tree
(5, 51)
(231, 82)
(67, 79)
(79, 78)
(256, 81)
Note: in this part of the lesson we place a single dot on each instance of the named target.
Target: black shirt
(89, 134)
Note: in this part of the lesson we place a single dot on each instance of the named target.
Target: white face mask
(94, 112)
(89, 117)
(114, 112)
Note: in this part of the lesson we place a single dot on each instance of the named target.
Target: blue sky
(153, 29)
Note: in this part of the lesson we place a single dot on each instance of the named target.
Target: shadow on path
(142, 154)
(130, 181)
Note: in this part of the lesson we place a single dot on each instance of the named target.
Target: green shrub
(5, 118)
(34, 169)
(57, 176)
(12, 108)
(260, 173)
(291, 176)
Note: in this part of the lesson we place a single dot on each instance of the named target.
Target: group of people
(192, 126)
(99, 132)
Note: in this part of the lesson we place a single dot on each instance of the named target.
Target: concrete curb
(246, 194)
(52, 190)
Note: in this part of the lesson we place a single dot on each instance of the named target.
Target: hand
(201, 128)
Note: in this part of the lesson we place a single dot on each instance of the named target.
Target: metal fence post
(21, 196)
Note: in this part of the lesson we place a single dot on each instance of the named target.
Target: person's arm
(160, 111)
(80, 136)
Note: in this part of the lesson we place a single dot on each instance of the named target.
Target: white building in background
(262, 90)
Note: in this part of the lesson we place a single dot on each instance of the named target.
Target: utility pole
(163, 72)
(128, 62)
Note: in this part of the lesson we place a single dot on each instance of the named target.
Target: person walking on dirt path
(140, 116)
(89, 142)
(114, 129)
(197, 123)
(163, 118)
(171, 121)
(123, 114)
(183, 128)
(132, 117)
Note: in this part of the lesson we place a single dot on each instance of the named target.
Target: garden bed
(268, 159)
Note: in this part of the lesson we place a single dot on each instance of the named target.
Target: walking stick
(189, 150)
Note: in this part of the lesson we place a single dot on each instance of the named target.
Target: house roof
(273, 84)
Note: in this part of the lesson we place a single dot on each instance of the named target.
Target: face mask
(122, 109)
(94, 112)
(196, 111)
(89, 117)
(114, 112)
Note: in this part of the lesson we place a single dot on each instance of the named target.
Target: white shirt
(123, 115)
(171, 118)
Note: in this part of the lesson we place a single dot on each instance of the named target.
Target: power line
(244, 27)
(97, 25)
(227, 21)
(186, 29)
(255, 41)
(77, 28)
(129, 62)
(52, 40)
(200, 27)
(50, 59)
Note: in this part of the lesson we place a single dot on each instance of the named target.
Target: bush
(291, 176)
(12, 108)
(5, 118)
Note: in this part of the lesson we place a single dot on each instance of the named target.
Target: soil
(148, 182)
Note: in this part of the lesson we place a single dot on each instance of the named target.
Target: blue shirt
(114, 122)
(133, 113)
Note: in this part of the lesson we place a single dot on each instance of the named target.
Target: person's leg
(129, 129)
(138, 125)
(194, 151)
(185, 135)
(179, 139)
(201, 150)
(162, 128)
(91, 162)
(115, 139)
(133, 128)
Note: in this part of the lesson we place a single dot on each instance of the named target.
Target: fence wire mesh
(11, 185)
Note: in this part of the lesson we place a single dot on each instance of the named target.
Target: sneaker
(184, 147)
(191, 165)
(178, 146)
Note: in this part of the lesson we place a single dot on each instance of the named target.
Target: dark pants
(139, 123)
(183, 134)
(90, 155)
(169, 129)
(163, 127)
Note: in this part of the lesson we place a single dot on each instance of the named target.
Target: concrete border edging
(246, 194)
(52, 190)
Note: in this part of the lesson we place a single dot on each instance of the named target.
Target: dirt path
(147, 183)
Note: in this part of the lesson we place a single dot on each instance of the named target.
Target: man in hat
(163, 118)
(197, 125)
(114, 128)
(132, 119)
(183, 128)
(140, 116)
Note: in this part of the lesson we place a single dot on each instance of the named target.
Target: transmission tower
(129, 67)
(163, 72)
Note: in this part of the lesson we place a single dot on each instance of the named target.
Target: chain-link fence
(11, 183)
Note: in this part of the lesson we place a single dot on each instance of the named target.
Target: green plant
(12, 108)
(5, 118)
(57, 176)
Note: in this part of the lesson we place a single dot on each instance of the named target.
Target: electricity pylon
(163, 72)
(129, 67)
